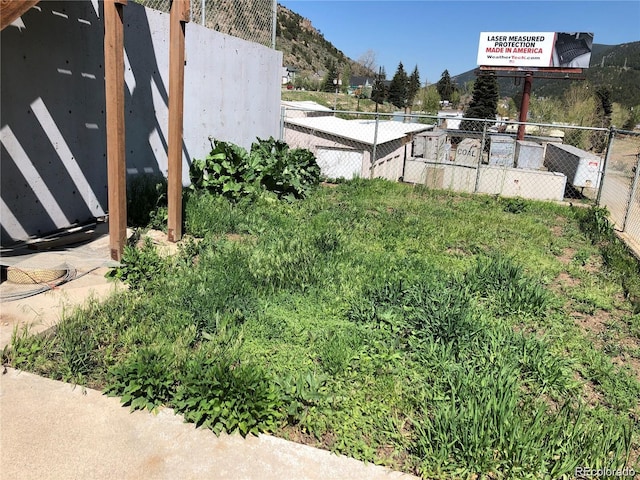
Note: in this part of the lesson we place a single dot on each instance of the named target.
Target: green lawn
(445, 335)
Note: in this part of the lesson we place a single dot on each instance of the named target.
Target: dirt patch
(557, 230)
(565, 280)
(590, 394)
(562, 283)
(295, 434)
(160, 240)
(624, 150)
(567, 255)
(593, 325)
(237, 237)
(457, 252)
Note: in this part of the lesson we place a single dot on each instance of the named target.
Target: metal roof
(362, 131)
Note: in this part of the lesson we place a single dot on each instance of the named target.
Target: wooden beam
(178, 17)
(11, 10)
(114, 92)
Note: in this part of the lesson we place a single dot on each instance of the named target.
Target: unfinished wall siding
(54, 167)
(54, 170)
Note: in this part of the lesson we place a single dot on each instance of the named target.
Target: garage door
(340, 163)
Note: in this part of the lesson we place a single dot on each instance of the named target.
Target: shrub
(140, 265)
(226, 395)
(144, 380)
(289, 173)
(225, 171)
(270, 166)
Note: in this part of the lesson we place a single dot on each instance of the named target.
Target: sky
(439, 35)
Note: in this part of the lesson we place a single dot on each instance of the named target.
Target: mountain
(617, 66)
(305, 48)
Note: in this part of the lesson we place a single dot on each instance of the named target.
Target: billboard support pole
(524, 105)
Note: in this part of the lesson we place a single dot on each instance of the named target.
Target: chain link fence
(552, 162)
(621, 190)
(251, 20)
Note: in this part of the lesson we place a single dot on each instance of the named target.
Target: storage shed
(347, 148)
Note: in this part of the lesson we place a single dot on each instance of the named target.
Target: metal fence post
(484, 139)
(375, 145)
(632, 193)
(274, 24)
(203, 12)
(282, 115)
(612, 134)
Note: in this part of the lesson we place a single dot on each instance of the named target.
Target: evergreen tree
(604, 109)
(413, 86)
(445, 86)
(398, 88)
(484, 103)
(332, 74)
(378, 93)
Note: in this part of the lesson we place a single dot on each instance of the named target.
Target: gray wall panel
(53, 170)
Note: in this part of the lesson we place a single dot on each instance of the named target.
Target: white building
(346, 148)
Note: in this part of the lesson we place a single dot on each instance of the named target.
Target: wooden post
(10, 10)
(179, 16)
(114, 93)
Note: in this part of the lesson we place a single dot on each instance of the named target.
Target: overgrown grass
(423, 330)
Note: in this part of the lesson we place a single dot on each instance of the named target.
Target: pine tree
(398, 88)
(445, 86)
(378, 93)
(331, 75)
(604, 109)
(484, 103)
(413, 86)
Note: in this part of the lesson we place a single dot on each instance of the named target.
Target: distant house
(288, 74)
(345, 148)
(361, 84)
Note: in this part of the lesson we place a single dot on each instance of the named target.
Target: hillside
(305, 48)
(615, 65)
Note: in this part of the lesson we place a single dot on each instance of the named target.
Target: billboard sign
(535, 49)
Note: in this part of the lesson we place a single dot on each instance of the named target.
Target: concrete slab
(86, 263)
(56, 431)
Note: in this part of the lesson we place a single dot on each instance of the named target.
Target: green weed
(226, 394)
(145, 380)
(140, 266)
